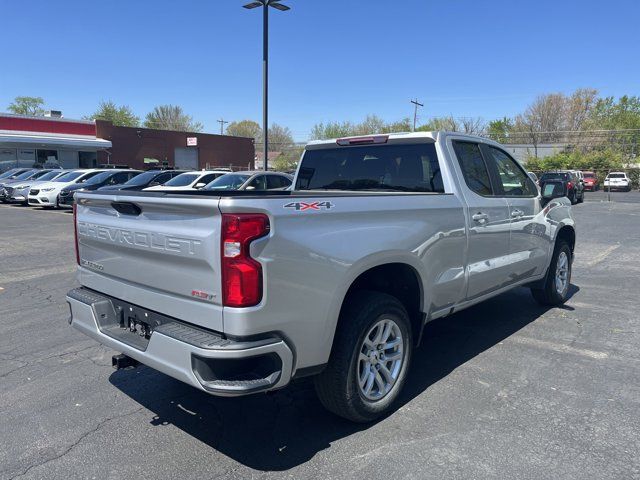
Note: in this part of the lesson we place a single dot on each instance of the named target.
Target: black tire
(337, 386)
(573, 199)
(548, 294)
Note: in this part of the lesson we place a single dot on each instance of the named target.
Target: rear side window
(405, 168)
(276, 181)
(474, 170)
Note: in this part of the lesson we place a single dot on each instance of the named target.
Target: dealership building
(52, 140)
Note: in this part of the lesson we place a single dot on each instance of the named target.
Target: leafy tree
(121, 116)
(280, 138)
(499, 130)
(579, 107)
(324, 131)
(27, 106)
(608, 114)
(404, 125)
(440, 123)
(245, 128)
(371, 124)
(171, 117)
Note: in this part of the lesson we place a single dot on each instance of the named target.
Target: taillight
(241, 274)
(75, 232)
(569, 185)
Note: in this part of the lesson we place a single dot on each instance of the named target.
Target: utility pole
(222, 121)
(416, 104)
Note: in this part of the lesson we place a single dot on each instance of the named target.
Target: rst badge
(304, 206)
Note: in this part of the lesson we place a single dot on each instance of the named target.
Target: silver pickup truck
(241, 292)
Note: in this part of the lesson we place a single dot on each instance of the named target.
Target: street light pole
(265, 84)
(265, 4)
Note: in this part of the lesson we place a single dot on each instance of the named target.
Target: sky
(330, 60)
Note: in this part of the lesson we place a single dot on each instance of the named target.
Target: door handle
(517, 213)
(480, 217)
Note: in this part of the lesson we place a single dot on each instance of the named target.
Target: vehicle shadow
(283, 429)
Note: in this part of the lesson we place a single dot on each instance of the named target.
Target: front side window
(514, 182)
(259, 183)
(229, 181)
(87, 176)
(474, 170)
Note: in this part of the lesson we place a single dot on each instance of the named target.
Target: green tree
(440, 123)
(171, 117)
(245, 128)
(324, 131)
(404, 125)
(122, 116)
(280, 138)
(27, 106)
(499, 130)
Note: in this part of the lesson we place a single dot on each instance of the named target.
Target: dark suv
(150, 178)
(108, 177)
(574, 188)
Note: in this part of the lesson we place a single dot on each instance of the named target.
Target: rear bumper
(201, 358)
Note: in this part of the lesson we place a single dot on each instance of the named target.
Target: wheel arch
(399, 279)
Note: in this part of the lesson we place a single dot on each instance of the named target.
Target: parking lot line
(558, 347)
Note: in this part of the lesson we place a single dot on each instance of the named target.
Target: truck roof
(400, 137)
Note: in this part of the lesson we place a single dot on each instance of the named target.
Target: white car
(19, 192)
(46, 194)
(188, 181)
(617, 181)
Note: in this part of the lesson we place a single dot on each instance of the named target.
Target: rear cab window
(389, 167)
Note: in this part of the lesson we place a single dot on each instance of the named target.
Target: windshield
(8, 173)
(99, 178)
(38, 175)
(49, 175)
(589, 175)
(182, 180)
(404, 168)
(228, 181)
(25, 175)
(141, 179)
(68, 177)
(617, 175)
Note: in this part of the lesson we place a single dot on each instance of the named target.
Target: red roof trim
(46, 125)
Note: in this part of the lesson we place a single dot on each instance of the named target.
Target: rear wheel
(555, 290)
(369, 359)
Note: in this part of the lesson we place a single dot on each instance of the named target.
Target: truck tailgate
(159, 252)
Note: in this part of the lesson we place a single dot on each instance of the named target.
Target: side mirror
(551, 190)
(154, 184)
(250, 187)
(199, 185)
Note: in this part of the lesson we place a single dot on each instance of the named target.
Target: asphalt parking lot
(506, 389)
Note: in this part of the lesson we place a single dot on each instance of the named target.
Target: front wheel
(555, 290)
(370, 358)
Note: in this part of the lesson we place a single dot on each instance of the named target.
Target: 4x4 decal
(304, 206)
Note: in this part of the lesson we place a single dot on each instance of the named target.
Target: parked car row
(54, 188)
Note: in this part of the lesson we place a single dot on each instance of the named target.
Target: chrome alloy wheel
(562, 273)
(380, 359)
